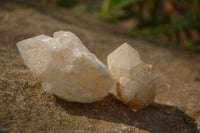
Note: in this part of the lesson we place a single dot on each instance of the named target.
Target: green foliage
(88, 6)
(193, 46)
(159, 21)
(154, 17)
(67, 3)
(177, 24)
(109, 7)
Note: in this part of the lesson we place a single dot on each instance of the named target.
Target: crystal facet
(66, 67)
(134, 83)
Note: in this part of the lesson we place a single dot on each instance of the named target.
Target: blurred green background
(177, 21)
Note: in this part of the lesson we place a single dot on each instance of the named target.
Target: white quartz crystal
(134, 83)
(66, 67)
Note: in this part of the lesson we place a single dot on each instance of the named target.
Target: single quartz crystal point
(66, 67)
(134, 83)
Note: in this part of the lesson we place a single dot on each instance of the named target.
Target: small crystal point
(66, 67)
(134, 83)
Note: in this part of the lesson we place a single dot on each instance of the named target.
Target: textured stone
(66, 67)
(134, 83)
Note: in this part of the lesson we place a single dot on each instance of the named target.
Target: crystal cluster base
(134, 82)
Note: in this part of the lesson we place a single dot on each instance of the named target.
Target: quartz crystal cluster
(134, 83)
(66, 67)
(70, 71)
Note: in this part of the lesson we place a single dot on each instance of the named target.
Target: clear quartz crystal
(134, 83)
(66, 67)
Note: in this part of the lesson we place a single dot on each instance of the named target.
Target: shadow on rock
(156, 118)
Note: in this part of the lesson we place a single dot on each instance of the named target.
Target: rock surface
(134, 83)
(25, 107)
(66, 67)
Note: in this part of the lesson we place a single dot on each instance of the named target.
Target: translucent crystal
(134, 83)
(66, 67)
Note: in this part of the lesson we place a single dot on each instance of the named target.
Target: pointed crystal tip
(134, 81)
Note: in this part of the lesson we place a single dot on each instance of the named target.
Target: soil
(26, 107)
